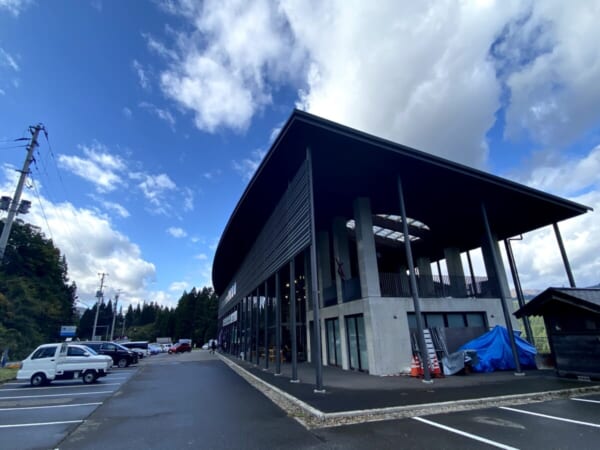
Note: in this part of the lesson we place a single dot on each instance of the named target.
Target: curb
(311, 417)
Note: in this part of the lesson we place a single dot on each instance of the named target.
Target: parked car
(165, 347)
(140, 347)
(154, 349)
(120, 355)
(63, 361)
(180, 347)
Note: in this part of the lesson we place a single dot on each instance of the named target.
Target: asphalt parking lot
(39, 418)
(204, 404)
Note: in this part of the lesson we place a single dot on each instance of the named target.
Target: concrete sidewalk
(352, 397)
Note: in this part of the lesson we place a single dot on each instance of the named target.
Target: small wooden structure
(572, 319)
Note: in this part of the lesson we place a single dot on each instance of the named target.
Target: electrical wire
(37, 194)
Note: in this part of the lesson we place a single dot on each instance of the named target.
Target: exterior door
(334, 351)
(45, 359)
(357, 343)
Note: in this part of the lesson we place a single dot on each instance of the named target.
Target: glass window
(362, 343)
(475, 320)
(456, 320)
(75, 351)
(434, 320)
(46, 352)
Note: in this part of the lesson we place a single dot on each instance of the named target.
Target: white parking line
(562, 419)
(465, 434)
(59, 386)
(585, 400)
(53, 406)
(40, 424)
(55, 395)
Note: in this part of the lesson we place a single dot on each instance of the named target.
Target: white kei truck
(63, 361)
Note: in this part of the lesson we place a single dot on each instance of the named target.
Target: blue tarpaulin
(494, 351)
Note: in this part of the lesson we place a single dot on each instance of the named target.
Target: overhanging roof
(444, 195)
(586, 299)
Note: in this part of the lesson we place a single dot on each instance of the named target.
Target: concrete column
(341, 256)
(365, 248)
(426, 288)
(344, 341)
(323, 262)
(490, 257)
(458, 286)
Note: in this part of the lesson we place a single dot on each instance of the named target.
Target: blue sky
(159, 112)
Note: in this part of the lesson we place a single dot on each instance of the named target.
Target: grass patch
(7, 374)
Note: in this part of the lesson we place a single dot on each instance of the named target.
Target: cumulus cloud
(221, 69)
(99, 166)
(154, 187)
(91, 245)
(177, 232)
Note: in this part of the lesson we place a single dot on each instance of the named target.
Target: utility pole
(12, 210)
(112, 329)
(99, 296)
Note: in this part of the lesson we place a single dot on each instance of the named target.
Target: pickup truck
(63, 361)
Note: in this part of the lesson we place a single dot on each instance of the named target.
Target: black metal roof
(584, 298)
(347, 163)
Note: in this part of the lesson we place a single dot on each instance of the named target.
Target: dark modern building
(361, 226)
(572, 320)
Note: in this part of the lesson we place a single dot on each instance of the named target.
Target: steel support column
(266, 325)
(277, 325)
(473, 280)
(293, 320)
(257, 322)
(413, 285)
(313, 282)
(518, 290)
(563, 253)
(495, 256)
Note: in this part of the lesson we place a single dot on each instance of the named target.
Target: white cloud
(15, 7)
(247, 166)
(188, 199)
(201, 256)
(141, 74)
(99, 167)
(221, 70)
(116, 208)
(7, 60)
(552, 71)
(91, 245)
(127, 112)
(154, 187)
(178, 286)
(177, 232)
(162, 114)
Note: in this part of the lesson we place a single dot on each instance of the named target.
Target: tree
(36, 297)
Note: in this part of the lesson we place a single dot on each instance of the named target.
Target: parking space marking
(465, 434)
(52, 406)
(58, 386)
(585, 400)
(40, 424)
(562, 419)
(55, 395)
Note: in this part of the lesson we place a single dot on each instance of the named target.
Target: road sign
(68, 330)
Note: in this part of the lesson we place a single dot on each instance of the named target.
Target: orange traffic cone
(436, 371)
(415, 367)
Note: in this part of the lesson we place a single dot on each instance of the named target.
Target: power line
(37, 194)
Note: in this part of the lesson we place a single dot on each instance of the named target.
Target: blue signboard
(68, 331)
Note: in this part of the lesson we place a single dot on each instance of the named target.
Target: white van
(63, 361)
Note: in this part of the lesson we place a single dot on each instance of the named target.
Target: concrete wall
(386, 326)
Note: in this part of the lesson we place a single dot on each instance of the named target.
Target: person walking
(213, 346)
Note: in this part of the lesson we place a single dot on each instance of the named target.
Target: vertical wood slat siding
(286, 233)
